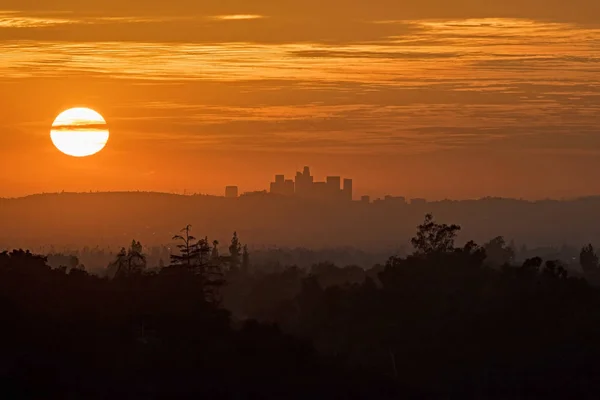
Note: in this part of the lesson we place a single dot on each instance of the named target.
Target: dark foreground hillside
(78, 336)
(445, 322)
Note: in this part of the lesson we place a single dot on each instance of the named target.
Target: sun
(79, 132)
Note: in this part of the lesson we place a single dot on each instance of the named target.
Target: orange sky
(424, 98)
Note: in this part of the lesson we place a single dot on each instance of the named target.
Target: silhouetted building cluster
(305, 186)
(334, 188)
(283, 186)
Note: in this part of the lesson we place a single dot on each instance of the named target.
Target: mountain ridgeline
(111, 219)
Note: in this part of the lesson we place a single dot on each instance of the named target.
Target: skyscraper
(279, 186)
(347, 191)
(334, 184)
(304, 183)
(288, 187)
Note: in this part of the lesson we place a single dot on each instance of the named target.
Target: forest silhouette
(446, 321)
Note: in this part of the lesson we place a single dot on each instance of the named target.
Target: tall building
(333, 186)
(231, 192)
(288, 187)
(278, 187)
(347, 190)
(304, 183)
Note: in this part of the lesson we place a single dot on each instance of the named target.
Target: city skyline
(304, 185)
(333, 188)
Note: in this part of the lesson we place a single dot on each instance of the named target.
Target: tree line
(446, 321)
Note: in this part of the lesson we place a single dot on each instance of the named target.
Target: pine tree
(203, 252)
(245, 260)
(188, 249)
(235, 252)
(588, 259)
(214, 255)
(118, 265)
(214, 279)
(130, 262)
(196, 257)
(136, 259)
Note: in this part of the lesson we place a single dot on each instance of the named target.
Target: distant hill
(77, 219)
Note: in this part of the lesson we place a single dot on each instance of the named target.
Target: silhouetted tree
(555, 269)
(130, 262)
(188, 249)
(235, 252)
(473, 255)
(433, 237)
(119, 264)
(498, 253)
(214, 279)
(214, 255)
(533, 264)
(198, 258)
(588, 259)
(204, 252)
(245, 259)
(531, 267)
(26, 261)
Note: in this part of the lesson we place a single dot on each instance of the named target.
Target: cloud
(12, 19)
(237, 17)
(80, 127)
(20, 20)
(413, 55)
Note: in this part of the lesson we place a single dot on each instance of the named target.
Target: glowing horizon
(505, 93)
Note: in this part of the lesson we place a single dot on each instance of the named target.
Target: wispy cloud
(16, 19)
(12, 19)
(82, 126)
(131, 19)
(237, 17)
